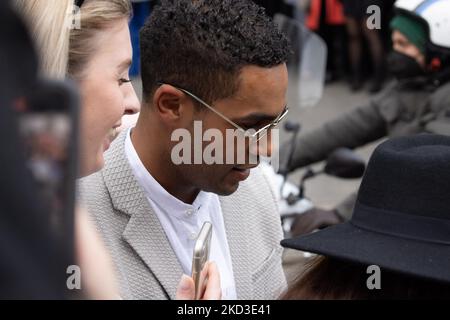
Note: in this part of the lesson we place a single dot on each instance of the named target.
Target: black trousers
(275, 6)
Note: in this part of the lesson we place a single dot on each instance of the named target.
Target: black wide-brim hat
(401, 221)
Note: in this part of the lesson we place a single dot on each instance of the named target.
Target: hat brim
(350, 243)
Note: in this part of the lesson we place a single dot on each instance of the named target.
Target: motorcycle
(307, 68)
(343, 163)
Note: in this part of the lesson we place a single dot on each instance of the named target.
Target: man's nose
(264, 146)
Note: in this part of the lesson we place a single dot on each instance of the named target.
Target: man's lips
(241, 173)
(243, 169)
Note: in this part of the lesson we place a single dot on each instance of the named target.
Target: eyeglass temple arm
(212, 109)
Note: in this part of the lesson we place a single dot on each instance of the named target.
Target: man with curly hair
(220, 64)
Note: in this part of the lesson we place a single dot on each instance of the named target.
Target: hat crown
(409, 176)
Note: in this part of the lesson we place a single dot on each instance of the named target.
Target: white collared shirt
(182, 222)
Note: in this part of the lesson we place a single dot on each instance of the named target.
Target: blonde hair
(65, 38)
(49, 21)
(96, 15)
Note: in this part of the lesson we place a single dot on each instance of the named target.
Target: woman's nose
(132, 104)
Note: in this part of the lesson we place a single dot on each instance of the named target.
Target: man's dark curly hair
(202, 45)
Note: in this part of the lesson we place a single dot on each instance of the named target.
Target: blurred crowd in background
(356, 54)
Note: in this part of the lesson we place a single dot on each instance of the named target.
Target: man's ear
(169, 102)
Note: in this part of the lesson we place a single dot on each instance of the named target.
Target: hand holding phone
(200, 258)
(213, 290)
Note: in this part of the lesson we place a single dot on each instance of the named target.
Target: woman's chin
(100, 162)
(92, 166)
(94, 163)
(106, 144)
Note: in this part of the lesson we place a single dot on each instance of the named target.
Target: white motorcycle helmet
(435, 15)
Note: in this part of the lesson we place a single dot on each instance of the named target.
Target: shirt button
(193, 236)
(189, 212)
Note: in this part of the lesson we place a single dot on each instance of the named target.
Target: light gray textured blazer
(147, 266)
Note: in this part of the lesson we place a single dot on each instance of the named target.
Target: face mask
(403, 66)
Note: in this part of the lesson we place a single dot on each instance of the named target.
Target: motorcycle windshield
(307, 65)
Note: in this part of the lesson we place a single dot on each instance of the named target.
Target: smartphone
(200, 257)
(47, 123)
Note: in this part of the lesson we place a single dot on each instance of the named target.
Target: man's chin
(226, 189)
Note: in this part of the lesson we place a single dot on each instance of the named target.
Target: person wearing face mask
(417, 100)
(407, 60)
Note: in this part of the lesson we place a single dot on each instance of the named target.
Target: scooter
(307, 79)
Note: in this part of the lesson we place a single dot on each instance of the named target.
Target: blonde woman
(97, 41)
(53, 47)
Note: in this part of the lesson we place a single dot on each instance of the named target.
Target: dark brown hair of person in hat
(400, 225)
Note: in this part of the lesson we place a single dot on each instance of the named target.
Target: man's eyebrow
(125, 64)
(259, 117)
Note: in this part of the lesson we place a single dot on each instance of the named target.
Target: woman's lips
(112, 135)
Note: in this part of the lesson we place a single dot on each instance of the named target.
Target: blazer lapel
(143, 232)
(234, 219)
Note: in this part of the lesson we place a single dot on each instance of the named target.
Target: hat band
(401, 225)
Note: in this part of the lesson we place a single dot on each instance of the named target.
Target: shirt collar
(154, 191)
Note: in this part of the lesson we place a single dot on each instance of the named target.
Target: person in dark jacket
(357, 14)
(418, 100)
